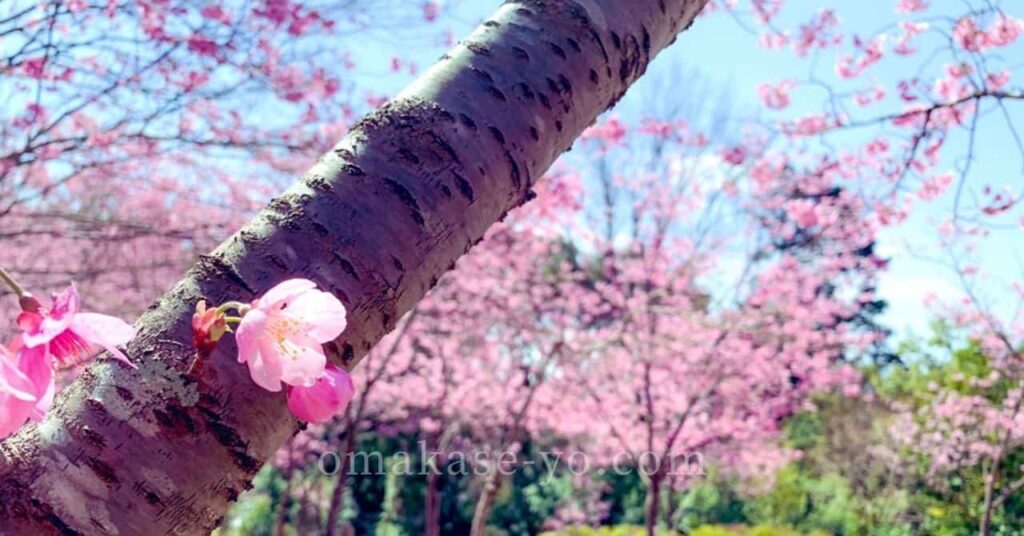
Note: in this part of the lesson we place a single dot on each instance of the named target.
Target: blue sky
(727, 57)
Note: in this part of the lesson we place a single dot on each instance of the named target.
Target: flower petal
(265, 372)
(264, 369)
(14, 382)
(14, 414)
(248, 334)
(104, 330)
(37, 329)
(66, 304)
(40, 328)
(321, 311)
(301, 359)
(38, 367)
(323, 400)
(284, 291)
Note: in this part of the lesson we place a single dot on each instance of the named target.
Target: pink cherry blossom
(802, 212)
(775, 96)
(281, 337)
(967, 34)
(996, 81)
(821, 32)
(37, 366)
(910, 6)
(26, 387)
(933, 187)
(216, 13)
(1003, 31)
(611, 132)
(69, 336)
(734, 155)
(202, 45)
(773, 40)
(431, 10)
(35, 67)
(16, 397)
(869, 96)
(909, 30)
(324, 399)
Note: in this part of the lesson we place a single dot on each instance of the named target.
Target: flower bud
(208, 326)
(29, 303)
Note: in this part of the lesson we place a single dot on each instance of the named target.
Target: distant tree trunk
(432, 506)
(653, 502)
(376, 221)
(984, 527)
(310, 516)
(486, 502)
(286, 495)
(670, 507)
(436, 443)
(992, 475)
(338, 495)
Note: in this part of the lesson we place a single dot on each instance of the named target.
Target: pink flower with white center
(69, 336)
(280, 338)
(324, 399)
(26, 387)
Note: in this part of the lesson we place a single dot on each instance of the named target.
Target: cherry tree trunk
(485, 503)
(376, 221)
(653, 503)
(432, 505)
(282, 508)
(432, 494)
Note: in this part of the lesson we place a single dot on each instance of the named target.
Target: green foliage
(704, 530)
(757, 530)
(252, 515)
(617, 530)
(714, 500)
(627, 495)
(391, 513)
(529, 497)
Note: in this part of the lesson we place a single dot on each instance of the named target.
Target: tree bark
(653, 503)
(282, 508)
(432, 496)
(985, 525)
(432, 506)
(486, 502)
(376, 221)
(670, 508)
